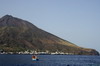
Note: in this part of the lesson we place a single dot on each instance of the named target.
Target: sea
(49, 60)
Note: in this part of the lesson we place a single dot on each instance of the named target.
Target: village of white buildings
(37, 52)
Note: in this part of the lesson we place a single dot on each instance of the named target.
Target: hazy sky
(77, 21)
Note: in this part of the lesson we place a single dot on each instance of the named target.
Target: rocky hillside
(20, 35)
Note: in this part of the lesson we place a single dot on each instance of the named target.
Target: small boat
(35, 58)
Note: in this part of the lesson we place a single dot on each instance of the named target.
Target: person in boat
(34, 57)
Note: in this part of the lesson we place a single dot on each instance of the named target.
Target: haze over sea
(49, 60)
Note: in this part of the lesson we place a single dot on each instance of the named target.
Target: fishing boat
(35, 58)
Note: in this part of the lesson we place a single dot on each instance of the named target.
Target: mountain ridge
(19, 35)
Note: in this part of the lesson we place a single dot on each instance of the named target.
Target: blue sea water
(49, 60)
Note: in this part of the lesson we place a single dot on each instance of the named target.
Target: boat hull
(35, 59)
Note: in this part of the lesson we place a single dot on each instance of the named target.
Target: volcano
(19, 35)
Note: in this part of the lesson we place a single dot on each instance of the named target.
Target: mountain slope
(20, 35)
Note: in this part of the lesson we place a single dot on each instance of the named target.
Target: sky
(77, 21)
